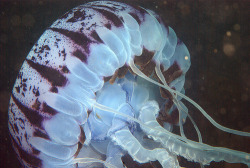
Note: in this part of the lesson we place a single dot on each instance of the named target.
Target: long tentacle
(225, 129)
(192, 150)
(179, 107)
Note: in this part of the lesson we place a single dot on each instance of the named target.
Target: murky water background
(215, 32)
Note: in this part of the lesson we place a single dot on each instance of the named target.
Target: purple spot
(63, 54)
(65, 69)
(36, 91)
(78, 16)
(18, 89)
(46, 47)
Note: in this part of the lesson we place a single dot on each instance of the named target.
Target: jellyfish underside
(175, 144)
(171, 144)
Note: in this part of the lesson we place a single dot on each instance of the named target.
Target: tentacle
(191, 119)
(180, 106)
(185, 67)
(232, 131)
(176, 102)
(191, 150)
(105, 108)
(127, 141)
(158, 55)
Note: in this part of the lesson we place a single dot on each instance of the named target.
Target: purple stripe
(52, 75)
(96, 37)
(139, 9)
(39, 133)
(49, 110)
(78, 38)
(80, 55)
(110, 16)
(32, 115)
(107, 7)
(25, 156)
(54, 89)
(172, 73)
(136, 18)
